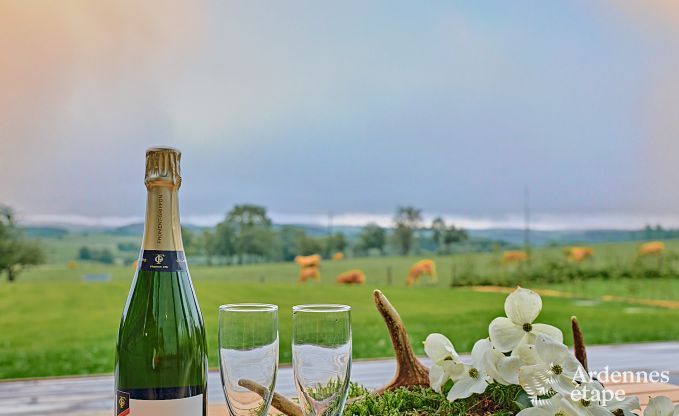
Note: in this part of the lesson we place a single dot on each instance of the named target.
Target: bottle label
(162, 261)
(189, 406)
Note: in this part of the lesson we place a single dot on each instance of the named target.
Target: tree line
(247, 235)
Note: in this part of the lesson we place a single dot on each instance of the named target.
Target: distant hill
(478, 237)
(44, 232)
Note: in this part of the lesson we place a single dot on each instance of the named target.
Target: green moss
(498, 400)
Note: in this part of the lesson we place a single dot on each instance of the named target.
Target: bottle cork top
(162, 167)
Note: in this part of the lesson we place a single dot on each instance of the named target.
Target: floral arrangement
(520, 352)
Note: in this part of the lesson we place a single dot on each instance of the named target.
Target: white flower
(588, 399)
(557, 370)
(661, 406)
(521, 307)
(624, 406)
(439, 348)
(447, 363)
(555, 405)
(501, 368)
(474, 378)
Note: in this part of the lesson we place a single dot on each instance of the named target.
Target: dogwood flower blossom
(661, 406)
(503, 369)
(555, 405)
(474, 378)
(558, 370)
(623, 407)
(447, 364)
(589, 399)
(521, 307)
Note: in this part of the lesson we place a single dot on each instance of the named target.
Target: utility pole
(526, 222)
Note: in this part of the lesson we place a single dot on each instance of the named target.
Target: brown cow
(426, 266)
(355, 276)
(654, 247)
(309, 273)
(579, 254)
(308, 261)
(514, 256)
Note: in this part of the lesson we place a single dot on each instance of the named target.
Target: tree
(309, 245)
(372, 236)
(453, 235)
(252, 226)
(334, 243)
(406, 221)
(15, 252)
(289, 238)
(438, 228)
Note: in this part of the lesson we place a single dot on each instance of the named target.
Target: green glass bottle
(161, 355)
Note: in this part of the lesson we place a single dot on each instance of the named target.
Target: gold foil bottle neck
(162, 167)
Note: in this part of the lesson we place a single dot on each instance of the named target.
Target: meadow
(52, 322)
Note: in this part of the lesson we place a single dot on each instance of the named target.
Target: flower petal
(522, 306)
(627, 404)
(437, 377)
(438, 348)
(535, 379)
(563, 384)
(479, 350)
(550, 351)
(527, 354)
(595, 410)
(453, 369)
(548, 330)
(533, 411)
(659, 406)
(508, 369)
(505, 334)
(465, 387)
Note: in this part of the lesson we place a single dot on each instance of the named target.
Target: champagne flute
(321, 357)
(248, 356)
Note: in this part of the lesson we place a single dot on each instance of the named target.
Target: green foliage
(498, 400)
(444, 236)
(92, 254)
(372, 236)
(16, 253)
(406, 221)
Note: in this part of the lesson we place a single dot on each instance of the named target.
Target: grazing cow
(308, 261)
(652, 248)
(514, 256)
(352, 277)
(579, 254)
(338, 256)
(309, 273)
(426, 266)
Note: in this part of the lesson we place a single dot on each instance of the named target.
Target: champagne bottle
(161, 360)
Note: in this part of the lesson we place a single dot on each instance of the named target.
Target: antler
(579, 342)
(278, 401)
(409, 370)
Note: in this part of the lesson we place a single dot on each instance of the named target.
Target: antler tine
(278, 401)
(409, 370)
(579, 342)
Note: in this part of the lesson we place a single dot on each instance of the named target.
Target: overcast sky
(349, 107)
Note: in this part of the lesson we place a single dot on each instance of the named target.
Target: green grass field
(53, 323)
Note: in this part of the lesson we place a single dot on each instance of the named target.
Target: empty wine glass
(321, 357)
(248, 356)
